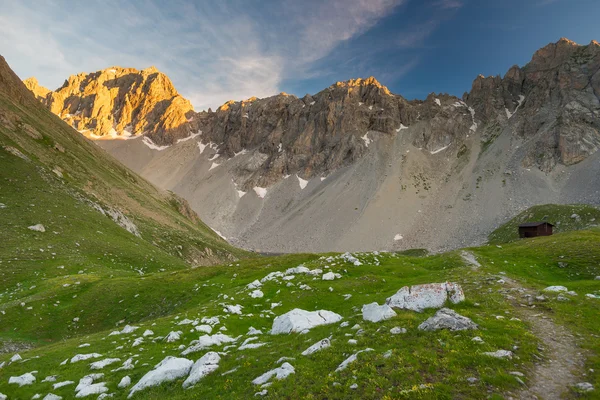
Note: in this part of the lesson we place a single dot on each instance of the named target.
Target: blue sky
(220, 50)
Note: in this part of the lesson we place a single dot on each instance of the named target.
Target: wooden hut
(534, 229)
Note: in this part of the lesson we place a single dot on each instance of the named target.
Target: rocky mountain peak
(119, 102)
(363, 83)
(40, 92)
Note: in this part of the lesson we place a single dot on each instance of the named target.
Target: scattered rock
(397, 330)
(124, 383)
(169, 369)
(256, 294)
(87, 387)
(206, 341)
(584, 387)
(299, 320)
(280, 373)
(37, 228)
(432, 295)
(22, 380)
(320, 345)
(103, 363)
(350, 360)
(477, 340)
(207, 364)
(500, 354)
(447, 319)
(556, 289)
(374, 312)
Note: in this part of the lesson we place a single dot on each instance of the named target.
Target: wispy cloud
(213, 52)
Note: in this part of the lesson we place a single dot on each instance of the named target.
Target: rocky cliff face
(119, 102)
(356, 167)
(553, 102)
(557, 96)
(40, 92)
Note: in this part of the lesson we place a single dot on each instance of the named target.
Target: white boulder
(37, 228)
(350, 360)
(447, 319)
(280, 373)
(500, 354)
(320, 345)
(206, 341)
(374, 312)
(103, 363)
(205, 365)
(299, 320)
(22, 380)
(556, 289)
(169, 369)
(125, 382)
(431, 295)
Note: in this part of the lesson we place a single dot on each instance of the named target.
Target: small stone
(37, 228)
(478, 340)
(584, 387)
(500, 354)
(447, 319)
(472, 380)
(397, 330)
(354, 386)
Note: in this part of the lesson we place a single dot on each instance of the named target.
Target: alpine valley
(356, 167)
(400, 272)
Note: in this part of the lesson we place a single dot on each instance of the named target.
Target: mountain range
(356, 167)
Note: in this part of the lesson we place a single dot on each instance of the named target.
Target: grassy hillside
(412, 365)
(100, 220)
(565, 218)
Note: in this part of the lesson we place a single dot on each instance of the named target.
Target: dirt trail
(562, 357)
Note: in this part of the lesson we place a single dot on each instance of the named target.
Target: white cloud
(212, 52)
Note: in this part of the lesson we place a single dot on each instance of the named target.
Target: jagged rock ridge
(557, 94)
(118, 102)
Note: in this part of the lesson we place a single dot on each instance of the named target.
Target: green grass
(565, 218)
(441, 360)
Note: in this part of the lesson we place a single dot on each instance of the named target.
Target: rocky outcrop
(448, 319)
(557, 96)
(553, 103)
(40, 92)
(119, 102)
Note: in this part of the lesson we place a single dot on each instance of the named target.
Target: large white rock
(22, 380)
(173, 336)
(374, 312)
(299, 320)
(447, 319)
(103, 363)
(169, 369)
(280, 373)
(205, 365)
(350, 360)
(254, 285)
(125, 382)
(206, 341)
(556, 289)
(83, 357)
(431, 295)
(499, 354)
(37, 228)
(87, 387)
(320, 345)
